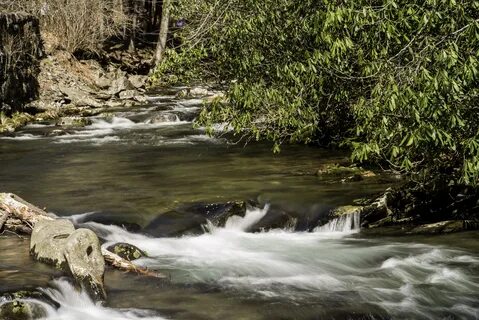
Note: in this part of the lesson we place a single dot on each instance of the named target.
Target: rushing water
(126, 167)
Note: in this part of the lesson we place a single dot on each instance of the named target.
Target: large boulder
(48, 241)
(85, 261)
(56, 242)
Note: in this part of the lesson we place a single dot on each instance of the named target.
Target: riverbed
(125, 167)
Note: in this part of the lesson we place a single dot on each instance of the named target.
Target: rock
(189, 219)
(138, 81)
(48, 241)
(163, 117)
(21, 310)
(140, 98)
(85, 261)
(127, 251)
(119, 85)
(350, 174)
(448, 226)
(57, 242)
(103, 82)
(128, 94)
(354, 178)
(371, 215)
(344, 210)
(30, 294)
(195, 92)
(80, 97)
(198, 92)
(73, 122)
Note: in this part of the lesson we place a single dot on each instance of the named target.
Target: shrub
(74, 25)
(397, 80)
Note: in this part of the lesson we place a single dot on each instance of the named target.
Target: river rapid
(126, 168)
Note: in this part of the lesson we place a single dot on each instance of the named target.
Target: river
(124, 168)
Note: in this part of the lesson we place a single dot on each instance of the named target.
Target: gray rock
(195, 92)
(119, 85)
(80, 97)
(48, 240)
(198, 92)
(103, 82)
(128, 94)
(21, 310)
(85, 261)
(163, 117)
(138, 81)
(73, 122)
(127, 251)
(140, 98)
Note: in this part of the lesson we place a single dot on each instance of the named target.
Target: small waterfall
(239, 223)
(345, 223)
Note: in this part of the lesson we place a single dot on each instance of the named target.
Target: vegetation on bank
(395, 80)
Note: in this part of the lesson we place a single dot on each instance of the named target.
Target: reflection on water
(132, 168)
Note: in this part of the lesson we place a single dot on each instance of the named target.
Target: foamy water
(405, 280)
(77, 305)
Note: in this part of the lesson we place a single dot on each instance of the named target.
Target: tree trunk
(161, 45)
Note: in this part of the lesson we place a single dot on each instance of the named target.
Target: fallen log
(17, 226)
(4, 215)
(26, 215)
(123, 264)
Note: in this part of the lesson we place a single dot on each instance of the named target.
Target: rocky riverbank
(69, 87)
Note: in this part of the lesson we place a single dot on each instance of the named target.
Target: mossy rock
(346, 174)
(344, 210)
(21, 310)
(73, 122)
(448, 226)
(17, 120)
(127, 251)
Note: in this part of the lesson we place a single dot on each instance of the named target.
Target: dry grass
(74, 25)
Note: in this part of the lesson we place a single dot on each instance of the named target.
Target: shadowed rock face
(20, 51)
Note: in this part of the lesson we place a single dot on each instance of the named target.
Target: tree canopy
(395, 80)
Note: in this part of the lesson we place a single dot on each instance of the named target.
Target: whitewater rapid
(406, 280)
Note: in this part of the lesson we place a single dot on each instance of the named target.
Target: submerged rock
(190, 218)
(442, 227)
(21, 310)
(127, 251)
(85, 261)
(345, 173)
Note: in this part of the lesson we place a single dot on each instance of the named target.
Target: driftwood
(4, 215)
(21, 216)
